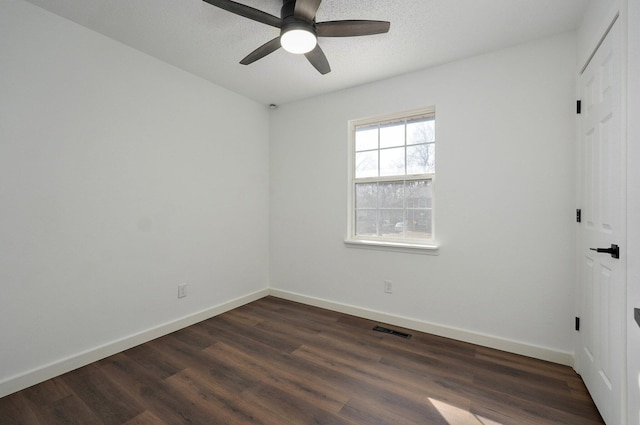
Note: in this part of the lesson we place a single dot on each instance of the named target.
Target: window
(392, 170)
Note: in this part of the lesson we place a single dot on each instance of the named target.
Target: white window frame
(425, 246)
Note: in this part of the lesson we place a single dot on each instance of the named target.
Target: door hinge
(578, 215)
(578, 107)
(577, 323)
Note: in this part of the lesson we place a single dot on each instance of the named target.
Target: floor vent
(392, 332)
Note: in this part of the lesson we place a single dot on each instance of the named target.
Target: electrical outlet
(182, 290)
(388, 287)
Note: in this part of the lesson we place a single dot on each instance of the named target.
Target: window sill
(413, 248)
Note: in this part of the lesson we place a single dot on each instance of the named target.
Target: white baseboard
(502, 344)
(35, 376)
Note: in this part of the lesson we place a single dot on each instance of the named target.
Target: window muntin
(393, 167)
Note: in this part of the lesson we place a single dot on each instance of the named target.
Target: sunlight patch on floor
(457, 416)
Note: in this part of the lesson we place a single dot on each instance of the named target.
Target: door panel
(600, 357)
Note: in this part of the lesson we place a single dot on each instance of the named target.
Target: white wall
(504, 198)
(120, 177)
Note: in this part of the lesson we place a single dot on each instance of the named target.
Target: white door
(600, 355)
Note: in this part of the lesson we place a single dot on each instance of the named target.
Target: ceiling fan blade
(319, 60)
(262, 51)
(351, 28)
(247, 12)
(306, 9)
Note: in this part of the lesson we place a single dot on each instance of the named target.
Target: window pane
(366, 222)
(367, 164)
(418, 194)
(421, 131)
(421, 159)
(392, 162)
(391, 223)
(366, 139)
(392, 135)
(391, 195)
(366, 195)
(418, 224)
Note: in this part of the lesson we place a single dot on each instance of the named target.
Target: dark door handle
(614, 250)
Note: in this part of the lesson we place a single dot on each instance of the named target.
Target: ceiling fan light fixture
(299, 30)
(298, 40)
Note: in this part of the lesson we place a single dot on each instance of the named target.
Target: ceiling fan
(299, 30)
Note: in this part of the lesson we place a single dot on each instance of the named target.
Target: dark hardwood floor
(279, 363)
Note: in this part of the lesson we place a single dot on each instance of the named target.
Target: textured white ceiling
(209, 42)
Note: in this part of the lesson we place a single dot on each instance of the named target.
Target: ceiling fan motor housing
(292, 23)
(288, 6)
(288, 19)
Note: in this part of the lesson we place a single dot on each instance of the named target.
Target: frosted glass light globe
(298, 41)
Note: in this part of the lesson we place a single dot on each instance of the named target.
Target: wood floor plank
(48, 392)
(283, 364)
(225, 407)
(524, 363)
(455, 414)
(506, 408)
(158, 396)
(290, 408)
(145, 418)
(97, 391)
(315, 391)
(273, 339)
(70, 410)
(553, 393)
(375, 382)
(16, 410)
(278, 362)
(150, 357)
(392, 410)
